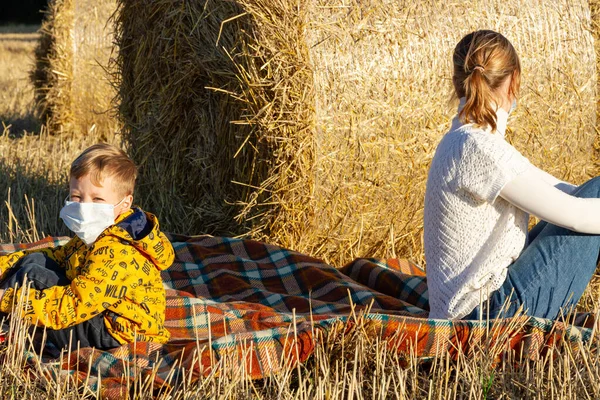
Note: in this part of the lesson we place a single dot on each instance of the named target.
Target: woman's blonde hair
(102, 160)
(482, 61)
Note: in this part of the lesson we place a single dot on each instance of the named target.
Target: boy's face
(82, 190)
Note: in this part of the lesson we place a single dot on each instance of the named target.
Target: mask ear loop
(119, 203)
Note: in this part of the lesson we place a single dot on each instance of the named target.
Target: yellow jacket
(119, 272)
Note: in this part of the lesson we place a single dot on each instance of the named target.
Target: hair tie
(479, 67)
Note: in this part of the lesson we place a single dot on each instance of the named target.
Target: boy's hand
(2, 293)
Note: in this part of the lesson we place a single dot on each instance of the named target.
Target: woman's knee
(590, 189)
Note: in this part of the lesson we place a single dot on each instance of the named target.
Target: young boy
(103, 287)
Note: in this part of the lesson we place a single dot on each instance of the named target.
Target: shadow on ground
(29, 204)
(18, 126)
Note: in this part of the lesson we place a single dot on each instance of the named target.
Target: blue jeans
(551, 273)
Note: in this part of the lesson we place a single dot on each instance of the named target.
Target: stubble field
(33, 184)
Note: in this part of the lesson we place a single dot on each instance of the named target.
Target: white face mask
(88, 220)
(513, 106)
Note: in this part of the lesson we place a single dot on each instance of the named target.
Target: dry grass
(349, 362)
(370, 159)
(33, 165)
(34, 169)
(16, 94)
(25, 167)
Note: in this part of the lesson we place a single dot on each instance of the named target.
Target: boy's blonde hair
(102, 160)
(483, 60)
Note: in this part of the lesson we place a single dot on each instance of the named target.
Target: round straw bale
(73, 89)
(312, 123)
(595, 29)
(382, 77)
(210, 121)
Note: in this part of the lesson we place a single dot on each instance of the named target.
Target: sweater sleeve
(486, 164)
(563, 186)
(538, 197)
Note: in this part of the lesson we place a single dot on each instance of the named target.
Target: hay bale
(595, 29)
(202, 148)
(382, 73)
(312, 123)
(73, 89)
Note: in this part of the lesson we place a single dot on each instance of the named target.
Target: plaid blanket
(260, 307)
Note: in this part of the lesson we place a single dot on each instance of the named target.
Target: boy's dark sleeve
(9, 260)
(103, 281)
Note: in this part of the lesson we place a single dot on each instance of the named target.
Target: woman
(480, 190)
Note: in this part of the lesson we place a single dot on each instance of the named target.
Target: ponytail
(483, 60)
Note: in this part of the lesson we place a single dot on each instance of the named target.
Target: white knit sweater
(471, 235)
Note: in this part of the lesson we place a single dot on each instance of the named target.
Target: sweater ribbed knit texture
(471, 235)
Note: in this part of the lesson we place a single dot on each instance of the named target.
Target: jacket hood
(141, 230)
